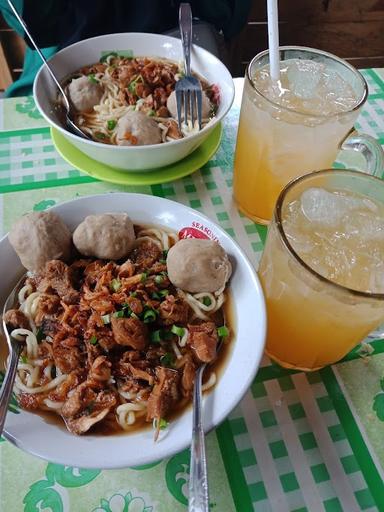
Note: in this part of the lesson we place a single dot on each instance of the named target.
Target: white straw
(273, 39)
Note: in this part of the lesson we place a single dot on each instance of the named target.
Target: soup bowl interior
(89, 51)
(34, 433)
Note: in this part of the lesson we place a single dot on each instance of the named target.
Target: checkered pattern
(288, 445)
(30, 159)
(275, 439)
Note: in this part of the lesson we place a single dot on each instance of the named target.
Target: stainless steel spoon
(198, 500)
(15, 348)
(67, 104)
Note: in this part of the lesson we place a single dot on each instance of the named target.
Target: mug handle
(374, 157)
(369, 148)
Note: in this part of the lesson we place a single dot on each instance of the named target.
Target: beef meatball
(137, 129)
(108, 236)
(205, 105)
(197, 265)
(39, 237)
(85, 93)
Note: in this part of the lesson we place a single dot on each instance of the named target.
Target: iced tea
(292, 126)
(322, 269)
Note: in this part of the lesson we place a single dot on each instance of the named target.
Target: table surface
(296, 442)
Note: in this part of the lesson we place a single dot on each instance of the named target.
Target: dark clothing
(63, 22)
(55, 24)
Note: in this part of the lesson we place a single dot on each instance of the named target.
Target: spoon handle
(7, 387)
(198, 480)
(25, 28)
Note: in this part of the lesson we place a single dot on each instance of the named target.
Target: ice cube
(338, 94)
(304, 78)
(319, 205)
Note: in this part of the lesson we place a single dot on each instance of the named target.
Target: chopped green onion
(132, 85)
(100, 135)
(118, 314)
(127, 54)
(159, 279)
(111, 124)
(151, 113)
(164, 256)
(93, 340)
(105, 55)
(92, 79)
(179, 331)
(115, 285)
(222, 331)
(166, 335)
(133, 294)
(39, 334)
(160, 424)
(164, 273)
(207, 301)
(167, 359)
(106, 319)
(53, 372)
(133, 315)
(155, 337)
(163, 423)
(155, 296)
(127, 310)
(149, 316)
(144, 276)
(163, 293)
(24, 359)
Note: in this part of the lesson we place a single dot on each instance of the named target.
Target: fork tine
(179, 102)
(199, 106)
(187, 94)
(192, 107)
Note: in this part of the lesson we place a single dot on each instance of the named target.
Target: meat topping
(203, 339)
(56, 276)
(165, 393)
(14, 318)
(131, 332)
(174, 310)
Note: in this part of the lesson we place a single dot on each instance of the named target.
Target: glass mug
(276, 144)
(314, 320)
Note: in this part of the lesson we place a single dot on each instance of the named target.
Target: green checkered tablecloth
(296, 442)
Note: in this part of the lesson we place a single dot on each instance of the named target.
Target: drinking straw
(273, 39)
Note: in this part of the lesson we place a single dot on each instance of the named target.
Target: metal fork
(15, 347)
(188, 89)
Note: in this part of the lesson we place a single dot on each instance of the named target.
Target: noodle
(210, 382)
(127, 413)
(138, 84)
(73, 352)
(38, 389)
(30, 339)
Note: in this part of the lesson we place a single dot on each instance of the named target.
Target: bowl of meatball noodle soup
(45, 434)
(121, 87)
